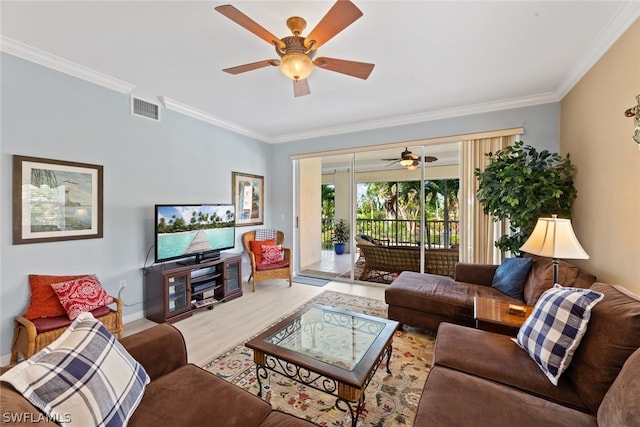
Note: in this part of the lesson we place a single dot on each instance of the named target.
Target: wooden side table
(493, 315)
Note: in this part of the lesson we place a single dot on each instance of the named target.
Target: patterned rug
(373, 276)
(390, 399)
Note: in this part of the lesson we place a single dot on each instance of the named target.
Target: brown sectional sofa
(481, 378)
(179, 394)
(426, 300)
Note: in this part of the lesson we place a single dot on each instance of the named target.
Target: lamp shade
(296, 66)
(554, 238)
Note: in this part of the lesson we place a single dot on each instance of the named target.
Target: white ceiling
(433, 59)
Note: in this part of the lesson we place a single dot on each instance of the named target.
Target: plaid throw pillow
(265, 234)
(84, 378)
(553, 331)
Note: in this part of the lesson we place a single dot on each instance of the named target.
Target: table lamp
(554, 238)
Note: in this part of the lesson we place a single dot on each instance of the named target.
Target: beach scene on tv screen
(185, 230)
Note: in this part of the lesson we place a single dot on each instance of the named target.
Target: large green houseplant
(521, 185)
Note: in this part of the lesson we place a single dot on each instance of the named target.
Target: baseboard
(133, 316)
(5, 359)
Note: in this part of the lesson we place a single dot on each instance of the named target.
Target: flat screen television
(188, 231)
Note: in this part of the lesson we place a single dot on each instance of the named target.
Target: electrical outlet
(123, 284)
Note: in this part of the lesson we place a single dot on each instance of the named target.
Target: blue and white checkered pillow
(265, 234)
(84, 378)
(553, 331)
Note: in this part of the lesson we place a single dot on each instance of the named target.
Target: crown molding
(428, 116)
(628, 13)
(48, 60)
(187, 110)
(30, 53)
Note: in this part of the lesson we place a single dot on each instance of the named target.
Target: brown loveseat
(481, 378)
(179, 394)
(426, 300)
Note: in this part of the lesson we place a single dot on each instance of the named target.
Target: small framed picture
(55, 200)
(248, 197)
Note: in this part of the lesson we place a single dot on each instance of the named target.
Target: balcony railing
(399, 232)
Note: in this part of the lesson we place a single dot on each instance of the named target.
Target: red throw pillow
(256, 248)
(44, 302)
(271, 254)
(83, 294)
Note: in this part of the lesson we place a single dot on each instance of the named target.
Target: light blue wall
(541, 125)
(179, 160)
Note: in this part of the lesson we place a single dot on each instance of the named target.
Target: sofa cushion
(452, 398)
(497, 358)
(440, 295)
(613, 335)
(191, 396)
(256, 248)
(85, 377)
(551, 334)
(511, 275)
(81, 294)
(280, 264)
(44, 324)
(541, 277)
(621, 406)
(44, 302)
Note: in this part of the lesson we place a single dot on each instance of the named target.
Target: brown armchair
(260, 271)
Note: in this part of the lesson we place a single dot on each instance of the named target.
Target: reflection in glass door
(395, 198)
(324, 199)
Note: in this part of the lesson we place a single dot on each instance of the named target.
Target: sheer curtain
(478, 230)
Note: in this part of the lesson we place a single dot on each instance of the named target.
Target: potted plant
(522, 185)
(340, 236)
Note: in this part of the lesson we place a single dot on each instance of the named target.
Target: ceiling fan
(296, 52)
(410, 160)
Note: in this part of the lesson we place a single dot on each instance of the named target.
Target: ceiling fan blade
(360, 70)
(249, 67)
(244, 21)
(430, 159)
(342, 14)
(301, 88)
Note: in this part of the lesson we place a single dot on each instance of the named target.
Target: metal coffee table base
(345, 394)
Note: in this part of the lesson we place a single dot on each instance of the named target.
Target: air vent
(146, 109)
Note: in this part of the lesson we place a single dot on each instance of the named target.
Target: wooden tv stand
(172, 291)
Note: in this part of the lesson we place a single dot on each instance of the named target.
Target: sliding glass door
(392, 197)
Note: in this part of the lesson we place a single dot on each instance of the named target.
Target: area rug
(390, 399)
(373, 276)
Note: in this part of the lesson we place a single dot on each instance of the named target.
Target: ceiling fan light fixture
(296, 66)
(406, 162)
(412, 167)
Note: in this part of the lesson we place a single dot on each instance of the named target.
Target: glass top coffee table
(332, 350)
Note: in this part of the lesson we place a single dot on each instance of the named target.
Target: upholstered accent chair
(261, 269)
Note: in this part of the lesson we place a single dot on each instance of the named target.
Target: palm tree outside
(392, 211)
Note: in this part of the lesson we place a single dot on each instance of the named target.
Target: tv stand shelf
(173, 291)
